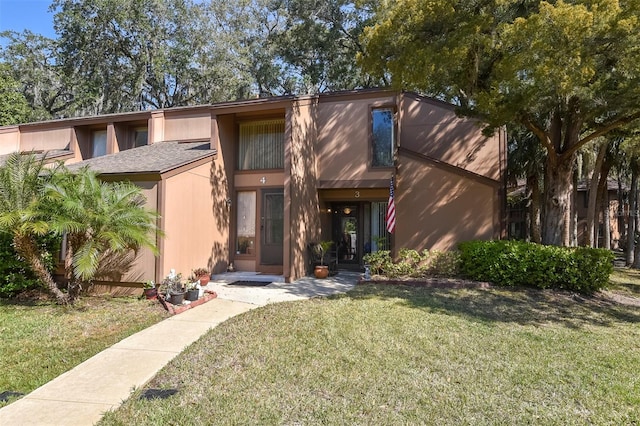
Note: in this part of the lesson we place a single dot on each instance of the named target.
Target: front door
(346, 233)
(272, 227)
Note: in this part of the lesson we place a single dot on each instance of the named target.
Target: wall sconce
(228, 201)
(347, 210)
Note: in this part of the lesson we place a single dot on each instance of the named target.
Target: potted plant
(193, 292)
(172, 286)
(203, 275)
(150, 290)
(322, 270)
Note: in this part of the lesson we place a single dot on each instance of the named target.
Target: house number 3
(357, 194)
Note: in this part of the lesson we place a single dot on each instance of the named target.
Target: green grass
(41, 340)
(626, 281)
(405, 355)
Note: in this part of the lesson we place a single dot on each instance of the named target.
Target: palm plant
(101, 221)
(22, 180)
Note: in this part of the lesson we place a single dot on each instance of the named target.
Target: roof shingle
(159, 157)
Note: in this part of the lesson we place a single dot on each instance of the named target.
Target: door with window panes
(272, 227)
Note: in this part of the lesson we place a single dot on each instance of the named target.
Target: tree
(567, 71)
(22, 179)
(134, 55)
(525, 159)
(14, 108)
(32, 61)
(104, 223)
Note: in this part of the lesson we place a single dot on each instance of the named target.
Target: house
(616, 221)
(254, 182)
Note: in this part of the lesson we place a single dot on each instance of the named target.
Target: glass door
(346, 233)
(272, 227)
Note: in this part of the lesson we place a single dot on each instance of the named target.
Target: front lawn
(387, 354)
(41, 340)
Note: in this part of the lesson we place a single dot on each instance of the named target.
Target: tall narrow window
(261, 145)
(379, 235)
(246, 223)
(383, 137)
(98, 143)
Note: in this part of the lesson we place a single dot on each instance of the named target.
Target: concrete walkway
(81, 395)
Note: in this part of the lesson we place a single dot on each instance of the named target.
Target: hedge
(518, 263)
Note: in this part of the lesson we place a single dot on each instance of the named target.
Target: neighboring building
(618, 212)
(253, 182)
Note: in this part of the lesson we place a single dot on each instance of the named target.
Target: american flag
(391, 211)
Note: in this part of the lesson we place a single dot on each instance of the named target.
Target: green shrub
(15, 273)
(518, 263)
(410, 263)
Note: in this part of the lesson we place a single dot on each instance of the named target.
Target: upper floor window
(383, 137)
(140, 136)
(98, 143)
(261, 145)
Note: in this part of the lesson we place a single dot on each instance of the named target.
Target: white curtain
(261, 145)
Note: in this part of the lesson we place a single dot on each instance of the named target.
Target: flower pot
(321, 271)
(204, 280)
(192, 295)
(151, 293)
(177, 298)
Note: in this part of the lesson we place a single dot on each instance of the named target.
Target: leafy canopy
(509, 61)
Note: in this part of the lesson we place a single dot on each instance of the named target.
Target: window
(140, 136)
(246, 223)
(261, 145)
(383, 138)
(379, 236)
(98, 143)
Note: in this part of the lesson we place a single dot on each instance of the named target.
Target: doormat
(158, 393)
(4, 396)
(249, 283)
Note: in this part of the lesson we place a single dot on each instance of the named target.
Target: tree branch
(543, 137)
(601, 131)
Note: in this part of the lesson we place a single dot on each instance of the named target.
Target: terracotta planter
(321, 271)
(204, 280)
(151, 293)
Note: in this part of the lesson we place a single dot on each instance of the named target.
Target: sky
(33, 15)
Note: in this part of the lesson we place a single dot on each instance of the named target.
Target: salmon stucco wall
(432, 129)
(451, 208)
(9, 140)
(190, 228)
(182, 126)
(46, 139)
(343, 148)
(223, 131)
(300, 188)
(144, 266)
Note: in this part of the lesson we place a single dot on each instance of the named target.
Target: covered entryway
(355, 221)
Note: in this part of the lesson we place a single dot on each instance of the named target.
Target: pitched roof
(159, 157)
(54, 154)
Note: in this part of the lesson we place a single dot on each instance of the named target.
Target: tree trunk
(559, 187)
(26, 248)
(533, 185)
(620, 214)
(573, 237)
(603, 203)
(606, 220)
(592, 208)
(631, 228)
